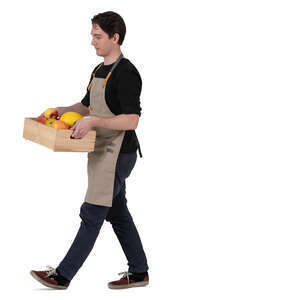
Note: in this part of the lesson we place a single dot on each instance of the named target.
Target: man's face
(101, 41)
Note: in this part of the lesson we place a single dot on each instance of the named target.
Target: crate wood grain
(57, 139)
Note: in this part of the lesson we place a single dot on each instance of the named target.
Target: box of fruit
(55, 134)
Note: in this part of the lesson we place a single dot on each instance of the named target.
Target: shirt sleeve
(86, 99)
(129, 89)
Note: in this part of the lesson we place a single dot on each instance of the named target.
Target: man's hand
(82, 127)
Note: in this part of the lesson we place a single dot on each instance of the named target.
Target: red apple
(58, 124)
(42, 119)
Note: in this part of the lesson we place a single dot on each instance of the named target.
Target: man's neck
(112, 57)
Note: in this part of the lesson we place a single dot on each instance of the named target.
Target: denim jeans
(92, 217)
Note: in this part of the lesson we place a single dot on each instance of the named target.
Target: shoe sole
(131, 285)
(46, 283)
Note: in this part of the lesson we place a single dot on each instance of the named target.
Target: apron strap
(116, 62)
(109, 73)
(112, 68)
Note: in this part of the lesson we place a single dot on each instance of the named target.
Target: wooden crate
(59, 140)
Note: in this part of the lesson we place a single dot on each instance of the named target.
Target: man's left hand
(82, 127)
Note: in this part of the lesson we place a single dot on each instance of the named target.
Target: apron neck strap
(109, 73)
(112, 68)
(116, 62)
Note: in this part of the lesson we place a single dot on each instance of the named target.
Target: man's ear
(116, 37)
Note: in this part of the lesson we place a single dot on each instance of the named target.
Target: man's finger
(75, 132)
(81, 133)
(74, 125)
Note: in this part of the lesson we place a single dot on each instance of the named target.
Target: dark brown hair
(111, 23)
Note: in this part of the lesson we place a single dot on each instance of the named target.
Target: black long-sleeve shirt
(122, 95)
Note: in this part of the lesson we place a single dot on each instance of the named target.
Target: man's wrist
(94, 121)
(60, 110)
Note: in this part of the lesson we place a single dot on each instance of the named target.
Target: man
(111, 106)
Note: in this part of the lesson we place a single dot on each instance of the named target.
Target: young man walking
(111, 106)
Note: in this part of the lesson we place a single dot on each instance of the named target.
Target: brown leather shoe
(50, 278)
(130, 280)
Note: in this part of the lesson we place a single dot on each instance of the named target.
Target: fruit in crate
(70, 117)
(59, 124)
(51, 113)
(49, 122)
(42, 119)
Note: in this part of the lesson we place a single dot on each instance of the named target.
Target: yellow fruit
(50, 113)
(70, 117)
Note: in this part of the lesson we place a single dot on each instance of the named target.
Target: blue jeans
(92, 217)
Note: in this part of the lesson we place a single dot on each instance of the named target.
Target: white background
(215, 197)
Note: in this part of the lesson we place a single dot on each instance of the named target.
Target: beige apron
(102, 162)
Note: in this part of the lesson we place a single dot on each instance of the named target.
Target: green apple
(49, 122)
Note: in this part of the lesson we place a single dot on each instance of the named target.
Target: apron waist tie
(139, 147)
(140, 151)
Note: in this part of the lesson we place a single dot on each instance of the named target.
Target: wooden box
(59, 140)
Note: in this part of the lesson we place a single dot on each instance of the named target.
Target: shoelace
(126, 274)
(50, 271)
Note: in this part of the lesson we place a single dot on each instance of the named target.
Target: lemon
(70, 117)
